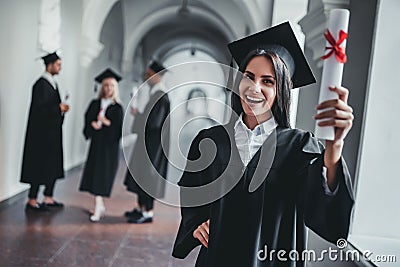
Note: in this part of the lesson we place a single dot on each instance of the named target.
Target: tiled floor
(67, 238)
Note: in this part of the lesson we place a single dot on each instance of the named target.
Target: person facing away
(304, 184)
(149, 158)
(103, 126)
(42, 162)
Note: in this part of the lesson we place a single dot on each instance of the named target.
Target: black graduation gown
(43, 152)
(275, 215)
(149, 160)
(102, 161)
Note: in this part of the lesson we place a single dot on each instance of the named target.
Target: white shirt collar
(157, 87)
(249, 141)
(264, 128)
(105, 102)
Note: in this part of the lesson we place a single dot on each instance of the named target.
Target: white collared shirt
(104, 103)
(50, 79)
(157, 87)
(249, 141)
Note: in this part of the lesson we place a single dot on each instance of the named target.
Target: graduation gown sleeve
(328, 216)
(157, 133)
(91, 115)
(192, 217)
(44, 108)
(114, 131)
(158, 113)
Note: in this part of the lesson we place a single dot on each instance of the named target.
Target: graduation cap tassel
(95, 88)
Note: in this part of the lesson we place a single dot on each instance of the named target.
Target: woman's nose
(256, 88)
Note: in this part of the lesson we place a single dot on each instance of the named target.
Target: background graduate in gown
(42, 162)
(149, 157)
(103, 126)
(305, 184)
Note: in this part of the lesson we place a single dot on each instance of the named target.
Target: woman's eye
(249, 77)
(269, 81)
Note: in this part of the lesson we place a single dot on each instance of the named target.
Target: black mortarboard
(156, 66)
(281, 40)
(107, 73)
(50, 58)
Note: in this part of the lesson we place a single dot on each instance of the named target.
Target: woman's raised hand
(338, 114)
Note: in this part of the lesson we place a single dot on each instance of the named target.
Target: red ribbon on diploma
(335, 46)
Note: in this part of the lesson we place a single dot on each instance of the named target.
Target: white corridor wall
(377, 213)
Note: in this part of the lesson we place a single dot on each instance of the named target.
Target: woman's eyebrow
(249, 72)
(268, 76)
(263, 76)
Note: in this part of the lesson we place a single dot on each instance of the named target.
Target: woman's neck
(252, 121)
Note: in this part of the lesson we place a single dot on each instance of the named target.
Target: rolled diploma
(332, 71)
(102, 114)
(66, 98)
(134, 97)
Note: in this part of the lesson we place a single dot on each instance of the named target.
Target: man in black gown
(42, 162)
(149, 159)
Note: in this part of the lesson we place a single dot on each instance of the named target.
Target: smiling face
(258, 88)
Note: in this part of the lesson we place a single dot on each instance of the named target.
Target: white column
(89, 50)
(49, 36)
(94, 15)
(298, 9)
(314, 25)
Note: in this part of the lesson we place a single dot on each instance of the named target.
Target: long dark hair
(280, 108)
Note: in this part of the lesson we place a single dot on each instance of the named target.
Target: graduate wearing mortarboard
(151, 147)
(42, 162)
(103, 126)
(284, 178)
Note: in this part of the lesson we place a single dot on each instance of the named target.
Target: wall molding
(89, 50)
(314, 25)
(94, 14)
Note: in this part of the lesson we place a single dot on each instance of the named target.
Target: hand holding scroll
(337, 113)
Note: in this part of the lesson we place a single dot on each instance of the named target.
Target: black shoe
(135, 213)
(37, 207)
(55, 204)
(140, 220)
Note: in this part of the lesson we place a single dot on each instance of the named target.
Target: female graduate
(303, 185)
(103, 125)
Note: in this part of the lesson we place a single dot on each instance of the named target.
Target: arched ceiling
(193, 31)
(156, 28)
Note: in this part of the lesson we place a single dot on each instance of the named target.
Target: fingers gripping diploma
(337, 113)
(201, 233)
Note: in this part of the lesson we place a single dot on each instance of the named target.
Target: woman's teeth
(254, 99)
